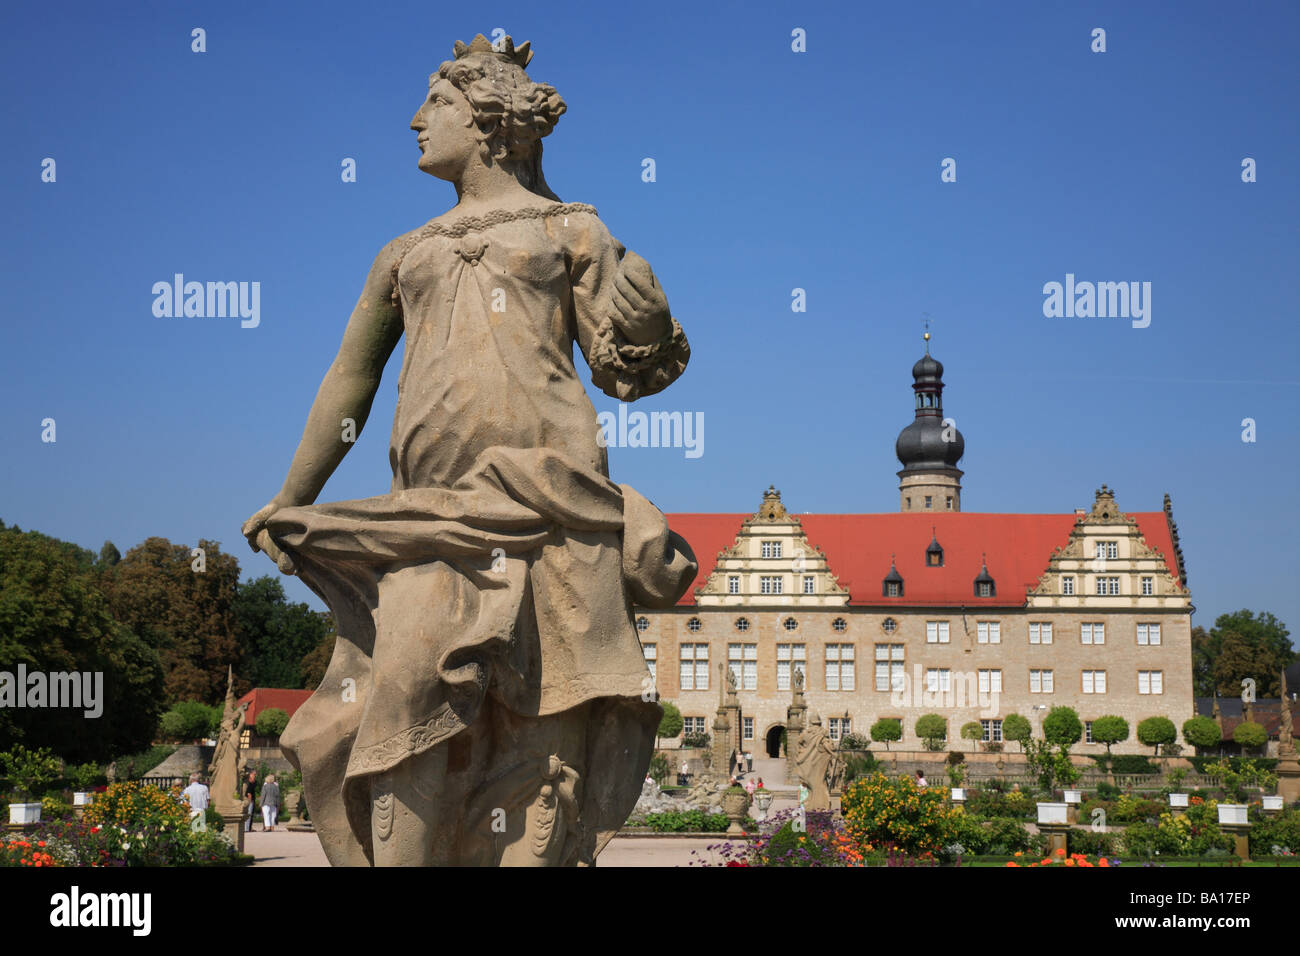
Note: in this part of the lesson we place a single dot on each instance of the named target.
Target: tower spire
(931, 446)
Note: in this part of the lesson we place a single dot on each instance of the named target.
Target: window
(839, 624)
(1107, 550)
(948, 502)
(1067, 585)
(809, 584)
(1107, 586)
(983, 589)
(839, 667)
(840, 727)
(936, 632)
(990, 681)
(771, 549)
(1148, 587)
(1092, 633)
(742, 624)
(733, 583)
(938, 680)
(747, 724)
(769, 584)
(693, 625)
(1094, 682)
(889, 667)
(893, 589)
(928, 501)
(742, 661)
(1040, 632)
(695, 667)
(1087, 732)
(790, 624)
(1151, 682)
(642, 623)
(991, 731)
(1148, 633)
(1040, 682)
(693, 725)
(651, 653)
(790, 658)
(988, 632)
(889, 625)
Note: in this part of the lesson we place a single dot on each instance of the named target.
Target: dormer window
(892, 586)
(934, 554)
(984, 586)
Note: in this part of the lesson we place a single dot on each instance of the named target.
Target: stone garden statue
(487, 702)
(816, 759)
(226, 764)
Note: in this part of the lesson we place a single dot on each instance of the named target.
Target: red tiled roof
(265, 698)
(858, 549)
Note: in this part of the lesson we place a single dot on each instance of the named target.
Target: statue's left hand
(642, 308)
(259, 539)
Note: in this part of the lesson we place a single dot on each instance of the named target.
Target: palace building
(928, 610)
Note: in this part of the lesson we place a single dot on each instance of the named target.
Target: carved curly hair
(511, 112)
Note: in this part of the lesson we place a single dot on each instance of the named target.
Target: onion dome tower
(928, 448)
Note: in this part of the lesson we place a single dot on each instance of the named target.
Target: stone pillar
(1056, 836)
(1241, 839)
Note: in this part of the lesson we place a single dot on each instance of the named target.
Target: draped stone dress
(500, 570)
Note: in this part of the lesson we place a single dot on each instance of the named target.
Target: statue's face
(444, 125)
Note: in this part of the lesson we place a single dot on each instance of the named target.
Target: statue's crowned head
(508, 111)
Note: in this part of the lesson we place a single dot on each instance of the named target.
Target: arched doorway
(774, 741)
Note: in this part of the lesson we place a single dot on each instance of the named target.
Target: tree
(1260, 649)
(1249, 735)
(933, 729)
(1202, 732)
(190, 720)
(54, 618)
(1110, 730)
(271, 722)
(973, 731)
(109, 555)
(1155, 731)
(670, 725)
(887, 729)
(1062, 727)
(317, 660)
(183, 613)
(276, 635)
(1017, 728)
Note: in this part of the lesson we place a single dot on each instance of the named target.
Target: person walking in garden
(197, 795)
(681, 777)
(270, 802)
(250, 798)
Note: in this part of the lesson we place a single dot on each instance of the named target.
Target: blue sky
(774, 170)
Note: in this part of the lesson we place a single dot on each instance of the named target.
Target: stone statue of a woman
(487, 701)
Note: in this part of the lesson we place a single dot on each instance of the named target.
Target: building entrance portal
(774, 741)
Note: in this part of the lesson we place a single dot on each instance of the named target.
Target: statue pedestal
(1288, 780)
(232, 815)
(1056, 834)
(1241, 839)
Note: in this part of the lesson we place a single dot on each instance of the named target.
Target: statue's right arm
(349, 386)
(346, 392)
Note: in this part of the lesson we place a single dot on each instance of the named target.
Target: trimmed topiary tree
(933, 729)
(887, 729)
(1110, 730)
(1155, 731)
(973, 731)
(271, 722)
(670, 725)
(1202, 732)
(1249, 735)
(1017, 728)
(1062, 727)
